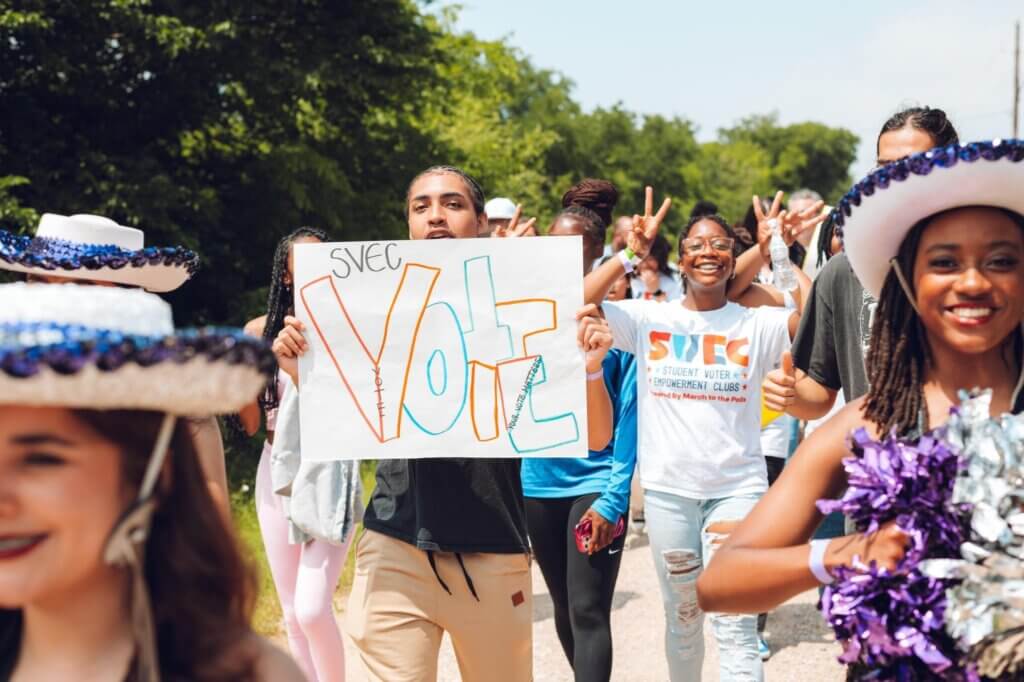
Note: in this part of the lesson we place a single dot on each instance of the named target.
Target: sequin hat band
(96, 248)
(875, 216)
(67, 345)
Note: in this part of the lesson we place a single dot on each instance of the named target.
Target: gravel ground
(803, 649)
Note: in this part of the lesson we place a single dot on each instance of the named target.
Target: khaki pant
(398, 611)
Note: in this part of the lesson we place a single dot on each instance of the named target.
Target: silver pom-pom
(986, 611)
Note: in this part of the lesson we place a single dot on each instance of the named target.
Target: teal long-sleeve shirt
(608, 472)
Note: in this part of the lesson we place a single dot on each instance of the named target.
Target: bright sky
(848, 64)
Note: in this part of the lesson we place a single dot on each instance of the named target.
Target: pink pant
(305, 577)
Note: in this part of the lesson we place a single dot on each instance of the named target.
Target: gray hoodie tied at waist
(323, 500)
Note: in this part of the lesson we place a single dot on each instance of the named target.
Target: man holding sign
(441, 524)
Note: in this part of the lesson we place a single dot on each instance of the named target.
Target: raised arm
(756, 295)
(638, 243)
(800, 295)
(774, 536)
(749, 263)
(595, 339)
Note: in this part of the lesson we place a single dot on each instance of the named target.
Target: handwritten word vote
(430, 370)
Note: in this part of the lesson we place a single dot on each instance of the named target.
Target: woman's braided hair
(898, 350)
(281, 299)
(898, 347)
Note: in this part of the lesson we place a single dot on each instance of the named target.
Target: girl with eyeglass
(701, 363)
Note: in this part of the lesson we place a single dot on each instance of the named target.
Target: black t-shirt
(835, 330)
(450, 505)
(10, 642)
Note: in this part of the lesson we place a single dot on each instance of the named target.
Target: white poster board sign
(441, 348)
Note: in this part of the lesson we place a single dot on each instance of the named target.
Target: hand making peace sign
(791, 225)
(645, 227)
(514, 229)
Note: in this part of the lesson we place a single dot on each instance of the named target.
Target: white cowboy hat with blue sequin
(877, 213)
(96, 248)
(105, 348)
(69, 345)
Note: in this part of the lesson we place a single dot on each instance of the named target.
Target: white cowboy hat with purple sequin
(96, 248)
(877, 213)
(107, 348)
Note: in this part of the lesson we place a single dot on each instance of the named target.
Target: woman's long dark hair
(281, 299)
(898, 353)
(201, 590)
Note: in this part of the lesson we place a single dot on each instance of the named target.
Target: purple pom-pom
(892, 622)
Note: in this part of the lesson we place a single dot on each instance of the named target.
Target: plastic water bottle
(783, 276)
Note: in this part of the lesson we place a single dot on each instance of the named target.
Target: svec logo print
(716, 349)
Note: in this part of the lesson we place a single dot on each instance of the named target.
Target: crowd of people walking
(724, 377)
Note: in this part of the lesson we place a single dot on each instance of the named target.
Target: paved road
(803, 648)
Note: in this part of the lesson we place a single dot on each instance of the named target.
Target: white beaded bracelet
(816, 561)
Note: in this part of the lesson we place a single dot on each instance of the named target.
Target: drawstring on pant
(433, 565)
(469, 581)
(458, 557)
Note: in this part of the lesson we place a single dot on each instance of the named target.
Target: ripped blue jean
(682, 546)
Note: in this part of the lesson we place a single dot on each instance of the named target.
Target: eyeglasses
(693, 245)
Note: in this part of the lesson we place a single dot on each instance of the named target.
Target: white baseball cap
(500, 208)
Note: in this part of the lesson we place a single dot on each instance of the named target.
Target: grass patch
(267, 617)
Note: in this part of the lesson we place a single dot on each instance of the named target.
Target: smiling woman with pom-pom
(948, 271)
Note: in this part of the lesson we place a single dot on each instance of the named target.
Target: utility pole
(1016, 76)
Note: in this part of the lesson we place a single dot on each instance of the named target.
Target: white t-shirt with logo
(698, 386)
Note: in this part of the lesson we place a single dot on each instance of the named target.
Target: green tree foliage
(729, 173)
(223, 126)
(632, 152)
(800, 155)
(478, 111)
(217, 125)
